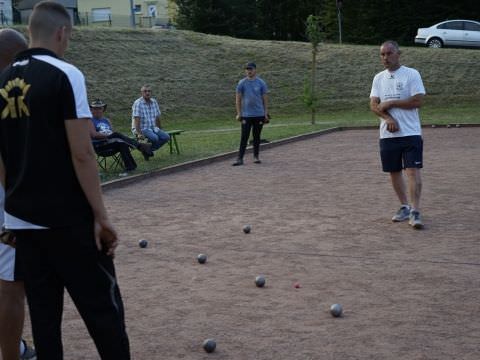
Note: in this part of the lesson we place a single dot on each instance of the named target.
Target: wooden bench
(173, 140)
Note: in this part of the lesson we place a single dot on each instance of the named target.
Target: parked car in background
(463, 33)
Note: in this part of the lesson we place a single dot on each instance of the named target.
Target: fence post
(132, 14)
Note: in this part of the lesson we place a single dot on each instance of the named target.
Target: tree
(314, 34)
(363, 21)
(222, 17)
(284, 19)
(260, 19)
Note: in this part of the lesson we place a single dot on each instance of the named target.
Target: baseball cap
(250, 65)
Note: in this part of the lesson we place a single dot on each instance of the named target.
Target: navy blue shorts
(401, 152)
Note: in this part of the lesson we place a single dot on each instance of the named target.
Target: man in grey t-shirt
(251, 103)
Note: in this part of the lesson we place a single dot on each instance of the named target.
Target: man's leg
(91, 282)
(413, 159)
(12, 314)
(246, 126)
(415, 190)
(399, 186)
(144, 148)
(70, 258)
(127, 157)
(163, 137)
(44, 290)
(100, 304)
(153, 138)
(414, 186)
(90, 279)
(256, 132)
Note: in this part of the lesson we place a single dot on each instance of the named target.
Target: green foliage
(226, 17)
(363, 21)
(374, 21)
(314, 31)
(314, 34)
(260, 19)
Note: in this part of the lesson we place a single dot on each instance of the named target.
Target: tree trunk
(312, 89)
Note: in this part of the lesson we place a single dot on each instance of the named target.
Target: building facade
(25, 7)
(148, 13)
(6, 12)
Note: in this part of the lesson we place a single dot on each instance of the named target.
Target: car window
(451, 25)
(472, 26)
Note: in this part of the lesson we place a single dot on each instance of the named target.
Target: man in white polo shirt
(397, 94)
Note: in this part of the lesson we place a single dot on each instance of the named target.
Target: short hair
(46, 18)
(145, 87)
(11, 43)
(393, 44)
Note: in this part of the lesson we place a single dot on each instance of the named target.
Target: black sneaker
(238, 162)
(256, 160)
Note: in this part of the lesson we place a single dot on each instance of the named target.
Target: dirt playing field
(320, 212)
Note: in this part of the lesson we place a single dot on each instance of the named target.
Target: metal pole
(339, 12)
(132, 14)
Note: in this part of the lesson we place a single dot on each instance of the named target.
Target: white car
(463, 33)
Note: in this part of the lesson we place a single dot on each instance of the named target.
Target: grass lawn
(193, 76)
(210, 137)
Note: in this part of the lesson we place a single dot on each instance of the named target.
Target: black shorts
(401, 153)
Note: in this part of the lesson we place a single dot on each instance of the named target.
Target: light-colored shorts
(7, 262)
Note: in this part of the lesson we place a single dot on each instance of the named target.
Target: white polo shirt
(401, 84)
(7, 253)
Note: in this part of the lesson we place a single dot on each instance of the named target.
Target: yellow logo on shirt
(15, 104)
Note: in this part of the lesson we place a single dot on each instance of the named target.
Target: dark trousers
(67, 258)
(118, 143)
(132, 142)
(256, 124)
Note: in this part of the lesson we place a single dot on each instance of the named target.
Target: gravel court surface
(320, 212)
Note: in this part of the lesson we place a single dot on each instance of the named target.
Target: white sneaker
(29, 352)
(402, 214)
(415, 220)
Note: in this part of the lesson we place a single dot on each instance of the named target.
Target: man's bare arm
(158, 122)
(85, 165)
(238, 105)
(413, 102)
(136, 121)
(265, 106)
(392, 125)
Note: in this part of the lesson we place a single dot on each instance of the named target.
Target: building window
(138, 9)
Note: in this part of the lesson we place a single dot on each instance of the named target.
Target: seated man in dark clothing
(104, 137)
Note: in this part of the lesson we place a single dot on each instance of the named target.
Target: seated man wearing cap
(103, 135)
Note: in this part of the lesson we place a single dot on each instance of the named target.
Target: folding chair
(108, 155)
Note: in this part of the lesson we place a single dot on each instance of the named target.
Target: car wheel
(434, 43)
